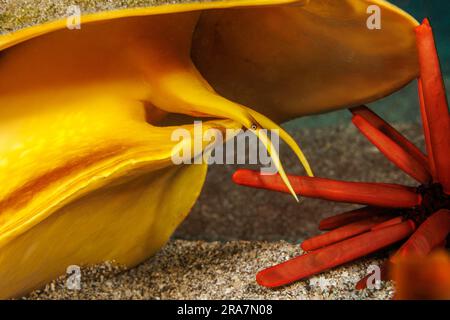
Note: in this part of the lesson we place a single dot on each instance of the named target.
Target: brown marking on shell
(25, 194)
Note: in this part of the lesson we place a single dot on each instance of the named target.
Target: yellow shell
(85, 155)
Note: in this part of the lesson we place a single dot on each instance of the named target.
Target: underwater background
(402, 106)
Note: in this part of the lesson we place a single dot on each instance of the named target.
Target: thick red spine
(392, 133)
(393, 151)
(428, 236)
(388, 223)
(373, 194)
(342, 233)
(435, 103)
(332, 256)
(345, 218)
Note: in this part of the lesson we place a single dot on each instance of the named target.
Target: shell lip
(11, 39)
(116, 170)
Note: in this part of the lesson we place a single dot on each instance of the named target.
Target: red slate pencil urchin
(392, 213)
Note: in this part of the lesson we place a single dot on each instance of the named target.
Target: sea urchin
(420, 215)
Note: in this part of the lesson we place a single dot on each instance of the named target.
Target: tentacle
(391, 150)
(332, 256)
(276, 159)
(345, 218)
(435, 103)
(374, 194)
(269, 124)
(166, 65)
(392, 133)
(428, 236)
(198, 99)
(342, 233)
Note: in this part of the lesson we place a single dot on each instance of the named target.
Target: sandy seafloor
(233, 232)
